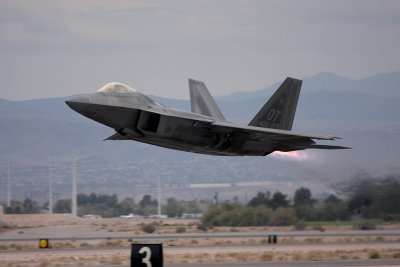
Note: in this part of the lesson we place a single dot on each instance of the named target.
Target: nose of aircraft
(78, 103)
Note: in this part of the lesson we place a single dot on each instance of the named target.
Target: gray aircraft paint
(202, 102)
(135, 116)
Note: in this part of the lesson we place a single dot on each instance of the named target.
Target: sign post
(272, 239)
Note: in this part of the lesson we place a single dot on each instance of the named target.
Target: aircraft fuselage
(133, 120)
(135, 116)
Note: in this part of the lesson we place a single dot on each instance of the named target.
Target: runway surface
(195, 251)
(10, 238)
(384, 241)
(354, 245)
(341, 263)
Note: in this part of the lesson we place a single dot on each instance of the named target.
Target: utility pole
(159, 198)
(74, 207)
(50, 188)
(8, 185)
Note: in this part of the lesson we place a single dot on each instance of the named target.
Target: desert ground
(78, 241)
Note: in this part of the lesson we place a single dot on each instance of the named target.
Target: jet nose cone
(78, 103)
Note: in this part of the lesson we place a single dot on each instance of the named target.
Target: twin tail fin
(202, 102)
(279, 111)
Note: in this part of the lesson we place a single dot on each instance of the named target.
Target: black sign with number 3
(147, 255)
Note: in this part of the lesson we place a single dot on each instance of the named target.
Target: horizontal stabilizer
(202, 102)
(316, 146)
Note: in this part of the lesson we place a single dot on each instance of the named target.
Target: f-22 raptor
(135, 116)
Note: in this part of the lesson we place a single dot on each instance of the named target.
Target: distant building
(91, 216)
(191, 215)
(129, 216)
(1, 209)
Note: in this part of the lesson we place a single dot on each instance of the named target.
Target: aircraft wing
(286, 139)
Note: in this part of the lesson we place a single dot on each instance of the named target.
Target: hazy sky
(60, 48)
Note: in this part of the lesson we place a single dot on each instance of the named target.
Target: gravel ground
(178, 250)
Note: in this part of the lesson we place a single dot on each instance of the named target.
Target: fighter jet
(135, 116)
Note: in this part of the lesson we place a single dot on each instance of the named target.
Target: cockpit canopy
(116, 87)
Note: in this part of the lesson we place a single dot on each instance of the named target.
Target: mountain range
(364, 112)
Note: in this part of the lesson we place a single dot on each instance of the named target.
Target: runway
(340, 263)
(308, 246)
(92, 244)
(241, 255)
(127, 235)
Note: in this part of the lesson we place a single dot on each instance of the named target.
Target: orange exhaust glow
(295, 155)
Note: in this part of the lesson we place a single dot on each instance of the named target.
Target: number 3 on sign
(147, 257)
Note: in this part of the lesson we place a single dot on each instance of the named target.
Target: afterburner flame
(295, 155)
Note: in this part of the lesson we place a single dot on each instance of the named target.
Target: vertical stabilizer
(278, 112)
(202, 102)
